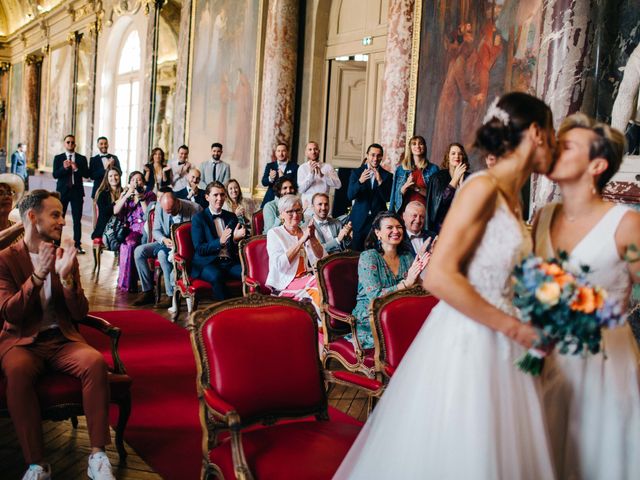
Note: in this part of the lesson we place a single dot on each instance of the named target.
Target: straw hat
(16, 183)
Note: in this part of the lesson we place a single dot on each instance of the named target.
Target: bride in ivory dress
(457, 407)
(593, 403)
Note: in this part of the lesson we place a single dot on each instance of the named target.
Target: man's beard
(216, 157)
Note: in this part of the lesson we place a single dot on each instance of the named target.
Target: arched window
(127, 101)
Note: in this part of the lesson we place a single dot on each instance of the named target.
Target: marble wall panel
(14, 134)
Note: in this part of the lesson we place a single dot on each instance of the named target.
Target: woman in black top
(108, 193)
(157, 173)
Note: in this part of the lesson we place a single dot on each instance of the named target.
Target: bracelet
(39, 277)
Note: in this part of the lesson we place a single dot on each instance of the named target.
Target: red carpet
(164, 428)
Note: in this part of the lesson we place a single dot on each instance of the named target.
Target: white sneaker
(100, 467)
(37, 472)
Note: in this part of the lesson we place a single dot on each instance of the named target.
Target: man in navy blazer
(369, 190)
(416, 237)
(215, 233)
(193, 192)
(282, 167)
(69, 168)
(98, 164)
(19, 161)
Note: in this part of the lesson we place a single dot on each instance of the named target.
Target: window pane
(130, 54)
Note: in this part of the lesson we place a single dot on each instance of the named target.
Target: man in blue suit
(69, 168)
(192, 191)
(215, 233)
(369, 190)
(19, 161)
(281, 167)
(98, 164)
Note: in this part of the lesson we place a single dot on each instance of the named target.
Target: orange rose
(549, 293)
(551, 269)
(585, 300)
(563, 279)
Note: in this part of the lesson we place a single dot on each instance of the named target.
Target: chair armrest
(181, 268)
(112, 332)
(370, 386)
(217, 405)
(253, 284)
(340, 315)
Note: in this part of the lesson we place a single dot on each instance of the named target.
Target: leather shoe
(145, 298)
(80, 251)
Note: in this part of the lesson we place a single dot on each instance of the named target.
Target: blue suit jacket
(206, 242)
(96, 170)
(62, 174)
(200, 198)
(368, 201)
(290, 171)
(19, 164)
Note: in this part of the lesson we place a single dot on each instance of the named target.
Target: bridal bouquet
(568, 310)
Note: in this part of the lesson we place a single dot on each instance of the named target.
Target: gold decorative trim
(415, 63)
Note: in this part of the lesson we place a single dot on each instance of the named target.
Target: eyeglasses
(297, 211)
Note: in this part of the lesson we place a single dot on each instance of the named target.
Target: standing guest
(333, 236)
(180, 169)
(40, 298)
(108, 193)
(216, 233)
(172, 211)
(281, 167)
(131, 207)
(315, 176)
(11, 190)
(412, 175)
(19, 161)
(369, 190)
(444, 184)
(157, 173)
(490, 160)
(293, 252)
(214, 169)
(192, 191)
(69, 168)
(416, 238)
(99, 164)
(242, 207)
(270, 213)
(386, 266)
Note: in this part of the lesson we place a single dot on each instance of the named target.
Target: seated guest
(333, 236)
(281, 167)
(11, 189)
(411, 177)
(386, 266)
(40, 298)
(192, 191)
(131, 207)
(270, 213)
(444, 184)
(416, 237)
(242, 207)
(157, 173)
(293, 252)
(107, 194)
(215, 233)
(369, 190)
(172, 211)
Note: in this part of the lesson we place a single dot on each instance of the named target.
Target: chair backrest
(396, 319)
(152, 216)
(255, 261)
(182, 242)
(241, 346)
(257, 223)
(338, 279)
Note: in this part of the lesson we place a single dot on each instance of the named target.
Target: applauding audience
(281, 167)
(192, 191)
(283, 186)
(107, 194)
(214, 169)
(416, 237)
(100, 163)
(180, 168)
(157, 173)
(333, 236)
(315, 176)
(242, 207)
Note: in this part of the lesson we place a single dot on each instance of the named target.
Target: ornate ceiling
(16, 13)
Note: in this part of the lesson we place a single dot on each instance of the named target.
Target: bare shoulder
(478, 192)
(628, 232)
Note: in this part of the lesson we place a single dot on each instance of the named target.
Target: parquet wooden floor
(67, 449)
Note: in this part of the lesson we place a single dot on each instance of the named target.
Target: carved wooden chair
(257, 360)
(60, 395)
(255, 265)
(257, 223)
(98, 244)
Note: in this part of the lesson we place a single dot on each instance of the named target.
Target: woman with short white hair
(293, 252)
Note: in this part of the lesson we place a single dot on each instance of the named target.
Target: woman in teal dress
(387, 265)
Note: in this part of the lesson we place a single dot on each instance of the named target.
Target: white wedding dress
(457, 407)
(593, 403)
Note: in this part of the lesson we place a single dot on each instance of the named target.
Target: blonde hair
(407, 159)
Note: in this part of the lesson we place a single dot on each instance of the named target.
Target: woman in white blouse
(293, 253)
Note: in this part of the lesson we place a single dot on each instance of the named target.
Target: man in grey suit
(19, 161)
(330, 232)
(172, 211)
(214, 169)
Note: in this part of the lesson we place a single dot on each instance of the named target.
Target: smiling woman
(11, 190)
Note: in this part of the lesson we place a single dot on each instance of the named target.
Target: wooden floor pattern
(67, 449)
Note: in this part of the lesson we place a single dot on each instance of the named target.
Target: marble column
(4, 108)
(396, 80)
(32, 83)
(279, 78)
(564, 71)
(182, 75)
(148, 92)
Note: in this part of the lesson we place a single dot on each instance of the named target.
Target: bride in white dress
(457, 407)
(593, 403)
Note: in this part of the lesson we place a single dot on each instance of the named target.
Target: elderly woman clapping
(293, 253)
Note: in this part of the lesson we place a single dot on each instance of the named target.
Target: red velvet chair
(187, 287)
(60, 395)
(257, 223)
(338, 281)
(154, 263)
(255, 265)
(257, 360)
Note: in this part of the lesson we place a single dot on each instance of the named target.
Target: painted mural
(222, 82)
(15, 107)
(58, 102)
(84, 97)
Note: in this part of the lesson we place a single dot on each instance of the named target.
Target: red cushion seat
(196, 287)
(344, 348)
(97, 241)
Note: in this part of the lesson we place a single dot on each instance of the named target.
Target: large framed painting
(59, 101)
(470, 52)
(15, 107)
(222, 81)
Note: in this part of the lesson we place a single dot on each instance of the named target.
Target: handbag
(115, 231)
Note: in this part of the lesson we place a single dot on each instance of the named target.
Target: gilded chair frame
(223, 418)
(248, 283)
(181, 273)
